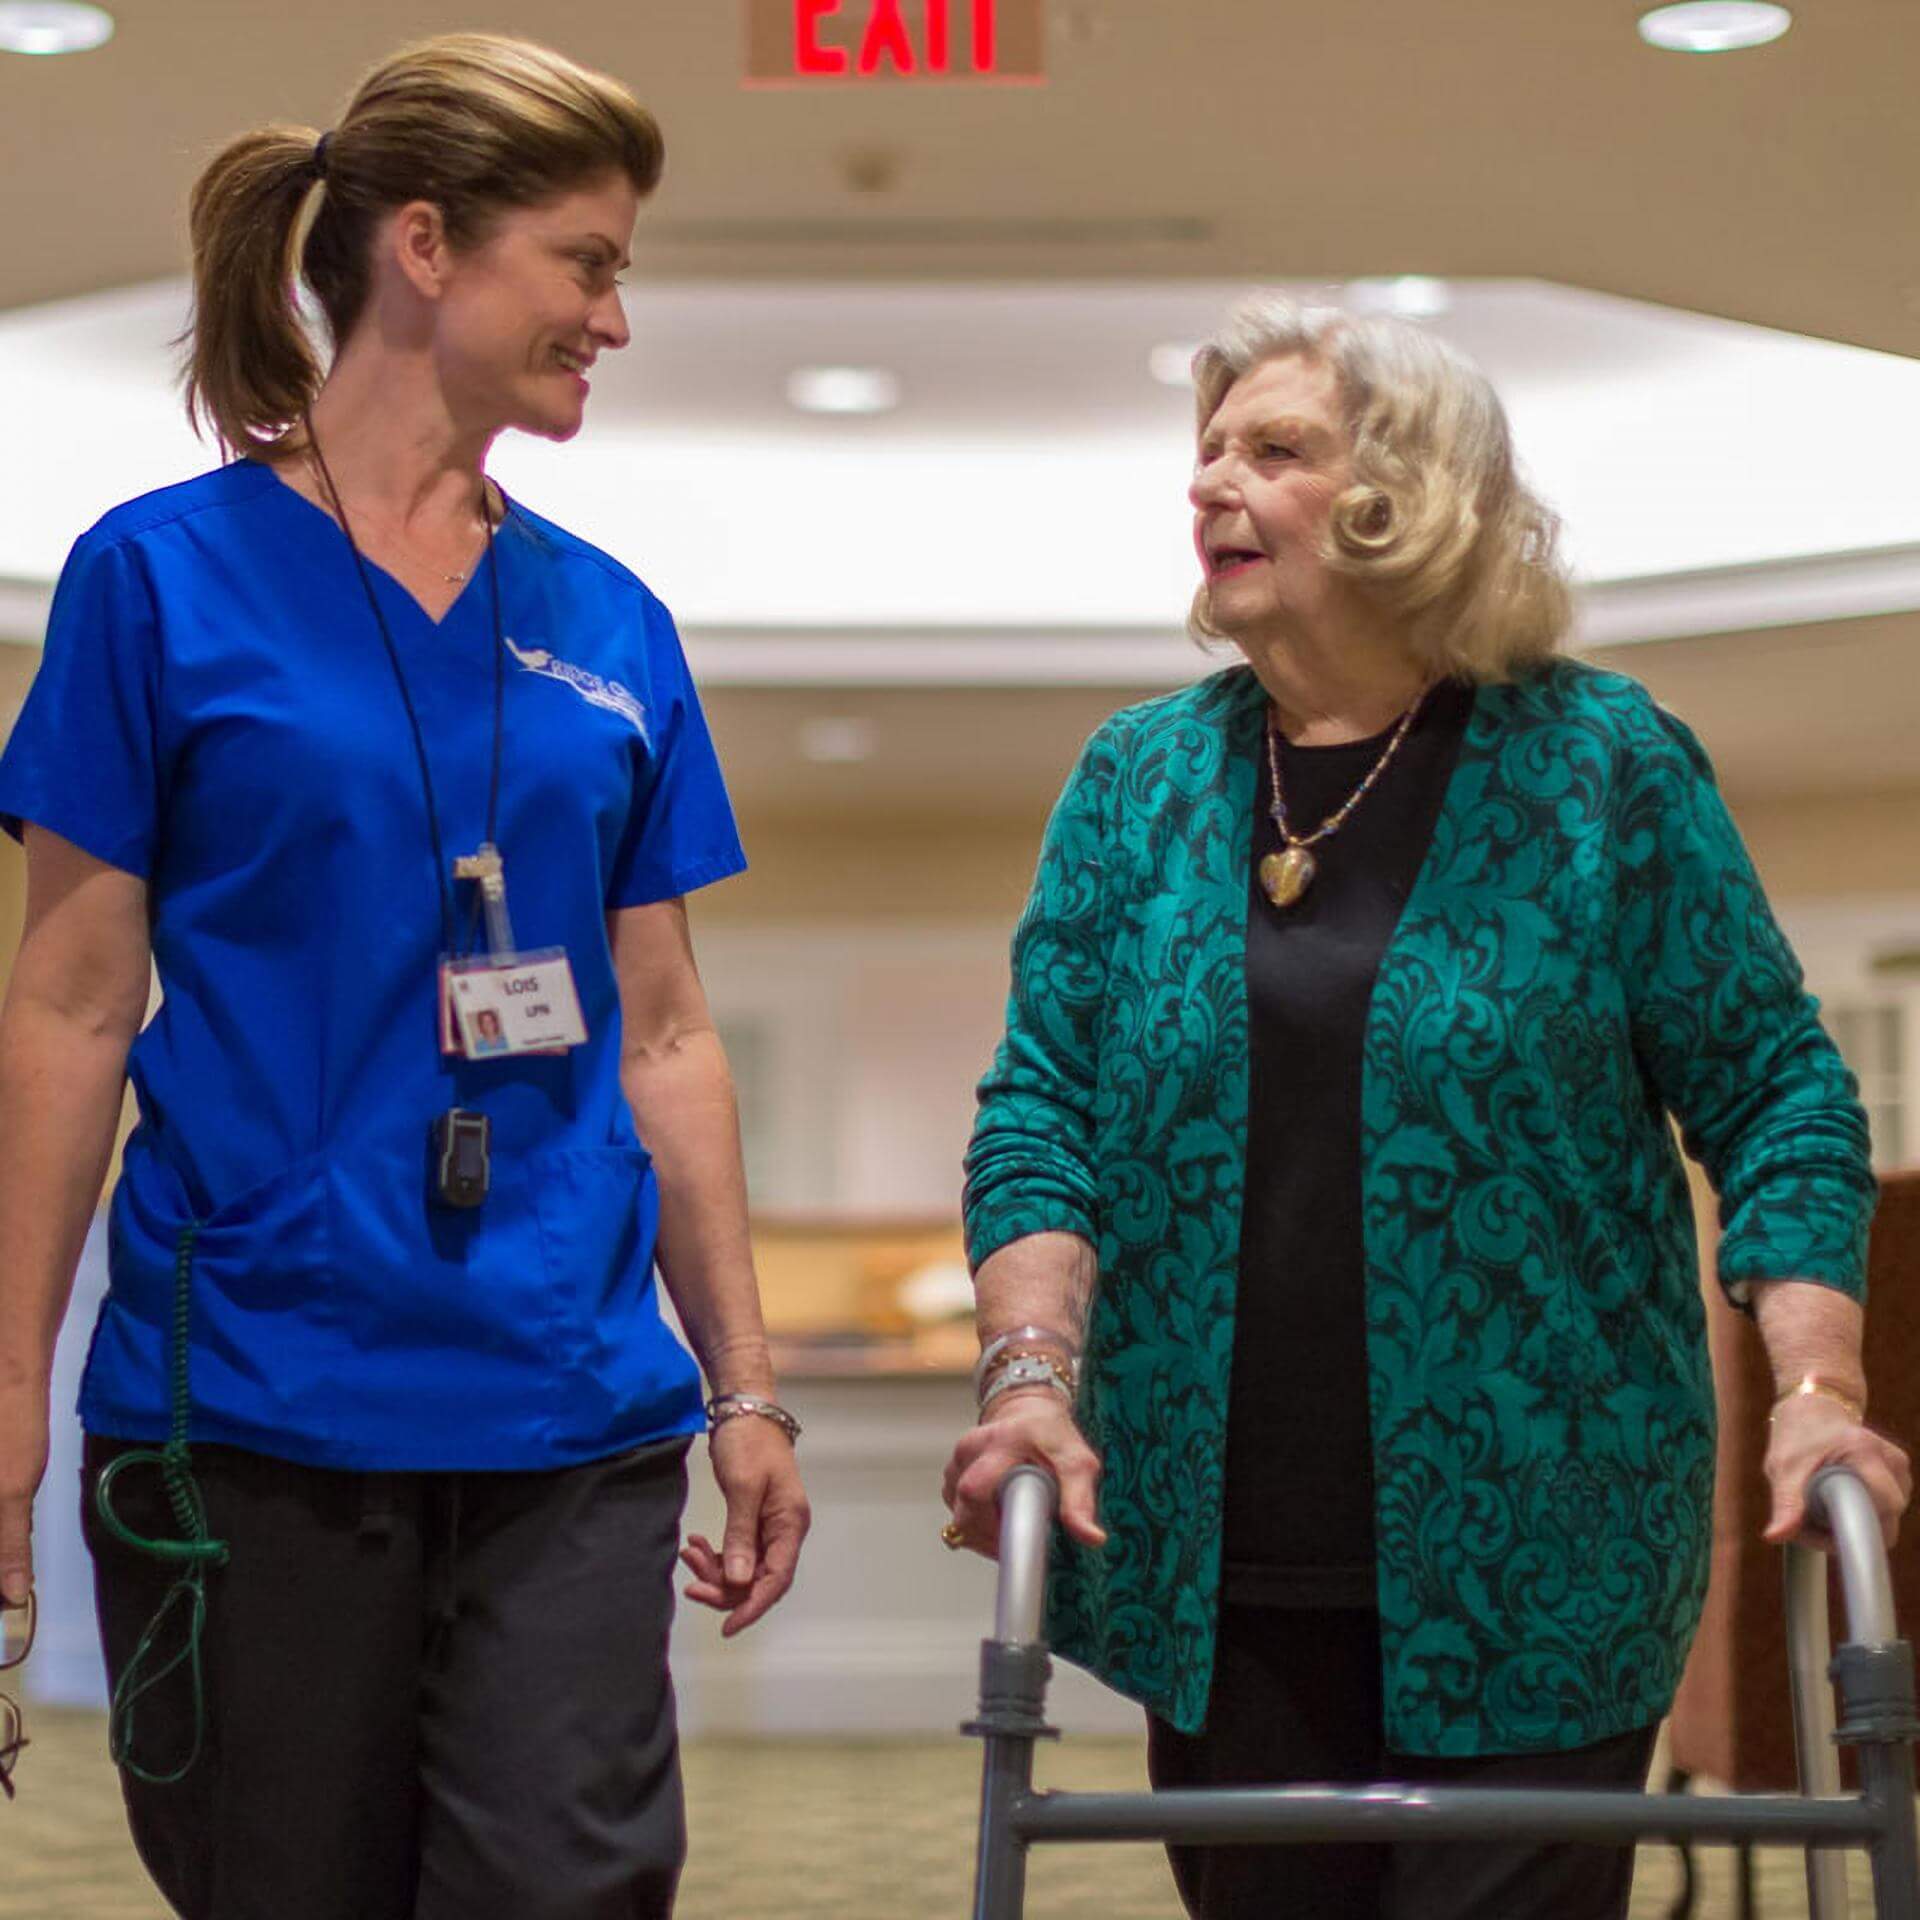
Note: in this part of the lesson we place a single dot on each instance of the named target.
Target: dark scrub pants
(431, 1696)
(1296, 1699)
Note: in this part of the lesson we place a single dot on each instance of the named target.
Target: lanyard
(406, 698)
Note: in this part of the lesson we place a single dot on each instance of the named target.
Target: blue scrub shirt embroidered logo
(597, 692)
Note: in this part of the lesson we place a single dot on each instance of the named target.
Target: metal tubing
(1836, 1496)
(1880, 1819)
(1028, 1498)
(1886, 1775)
(1390, 1813)
(1809, 1648)
(1000, 1865)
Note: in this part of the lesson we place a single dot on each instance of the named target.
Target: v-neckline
(374, 567)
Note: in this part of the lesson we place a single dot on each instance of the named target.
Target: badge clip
(488, 871)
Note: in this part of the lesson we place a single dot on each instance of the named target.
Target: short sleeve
(83, 759)
(680, 834)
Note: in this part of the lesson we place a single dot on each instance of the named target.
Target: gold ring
(951, 1535)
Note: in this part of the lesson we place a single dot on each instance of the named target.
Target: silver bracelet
(1029, 1370)
(730, 1406)
(1025, 1336)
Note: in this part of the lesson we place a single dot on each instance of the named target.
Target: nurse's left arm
(675, 1076)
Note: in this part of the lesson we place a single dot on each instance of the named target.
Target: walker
(1872, 1674)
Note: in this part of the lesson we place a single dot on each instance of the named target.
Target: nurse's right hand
(23, 1461)
(1029, 1426)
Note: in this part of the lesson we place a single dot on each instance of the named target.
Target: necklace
(339, 512)
(1286, 875)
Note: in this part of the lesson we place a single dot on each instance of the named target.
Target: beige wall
(1828, 847)
(929, 871)
(896, 869)
(932, 870)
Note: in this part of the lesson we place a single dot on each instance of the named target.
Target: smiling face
(1271, 462)
(523, 316)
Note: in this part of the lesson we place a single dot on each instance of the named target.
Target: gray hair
(1438, 527)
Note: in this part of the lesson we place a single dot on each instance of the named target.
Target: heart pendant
(1287, 875)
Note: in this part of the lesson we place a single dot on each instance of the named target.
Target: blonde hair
(1437, 528)
(476, 123)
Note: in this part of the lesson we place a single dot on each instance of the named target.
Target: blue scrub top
(215, 713)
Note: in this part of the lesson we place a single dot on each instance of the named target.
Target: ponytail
(251, 370)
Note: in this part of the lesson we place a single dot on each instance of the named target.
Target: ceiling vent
(1175, 231)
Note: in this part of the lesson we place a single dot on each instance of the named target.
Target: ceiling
(1033, 477)
(1198, 146)
(1239, 140)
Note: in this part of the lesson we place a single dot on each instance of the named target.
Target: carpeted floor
(786, 1830)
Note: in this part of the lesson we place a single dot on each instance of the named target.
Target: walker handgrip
(1029, 1498)
(1837, 1497)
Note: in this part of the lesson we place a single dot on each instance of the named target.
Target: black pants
(1296, 1698)
(431, 1696)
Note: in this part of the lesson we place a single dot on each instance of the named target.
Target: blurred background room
(903, 439)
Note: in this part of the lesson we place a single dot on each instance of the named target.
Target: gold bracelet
(1811, 1383)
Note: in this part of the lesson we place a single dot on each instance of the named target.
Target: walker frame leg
(1876, 1690)
(1000, 1870)
(1013, 1699)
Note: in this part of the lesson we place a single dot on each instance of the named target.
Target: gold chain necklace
(1286, 875)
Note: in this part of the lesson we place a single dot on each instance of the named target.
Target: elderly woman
(1322, 1195)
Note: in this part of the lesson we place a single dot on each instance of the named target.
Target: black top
(1299, 1479)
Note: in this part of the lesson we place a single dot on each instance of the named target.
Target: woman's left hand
(1811, 1431)
(767, 1518)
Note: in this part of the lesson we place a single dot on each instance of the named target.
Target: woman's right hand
(23, 1462)
(1031, 1425)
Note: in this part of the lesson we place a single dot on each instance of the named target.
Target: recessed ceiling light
(1171, 363)
(843, 389)
(1407, 296)
(838, 739)
(52, 26)
(1714, 26)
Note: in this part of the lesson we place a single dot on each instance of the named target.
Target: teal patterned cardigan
(1586, 950)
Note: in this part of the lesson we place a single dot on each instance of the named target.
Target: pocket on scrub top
(261, 1265)
(588, 1204)
(598, 1210)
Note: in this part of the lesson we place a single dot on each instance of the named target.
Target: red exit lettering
(894, 40)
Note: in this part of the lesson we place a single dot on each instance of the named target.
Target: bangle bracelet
(1068, 1371)
(1031, 1370)
(1068, 1350)
(730, 1406)
(1811, 1383)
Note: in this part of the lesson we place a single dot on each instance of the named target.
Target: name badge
(523, 1004)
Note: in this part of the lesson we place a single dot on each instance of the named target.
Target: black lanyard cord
(440, 868)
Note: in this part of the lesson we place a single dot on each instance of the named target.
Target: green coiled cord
(192, 1553)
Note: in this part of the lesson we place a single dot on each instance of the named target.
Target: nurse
(399, 787)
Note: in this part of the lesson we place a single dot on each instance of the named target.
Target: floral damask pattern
(1586, 950)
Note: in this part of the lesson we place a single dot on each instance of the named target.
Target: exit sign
(883, 42)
